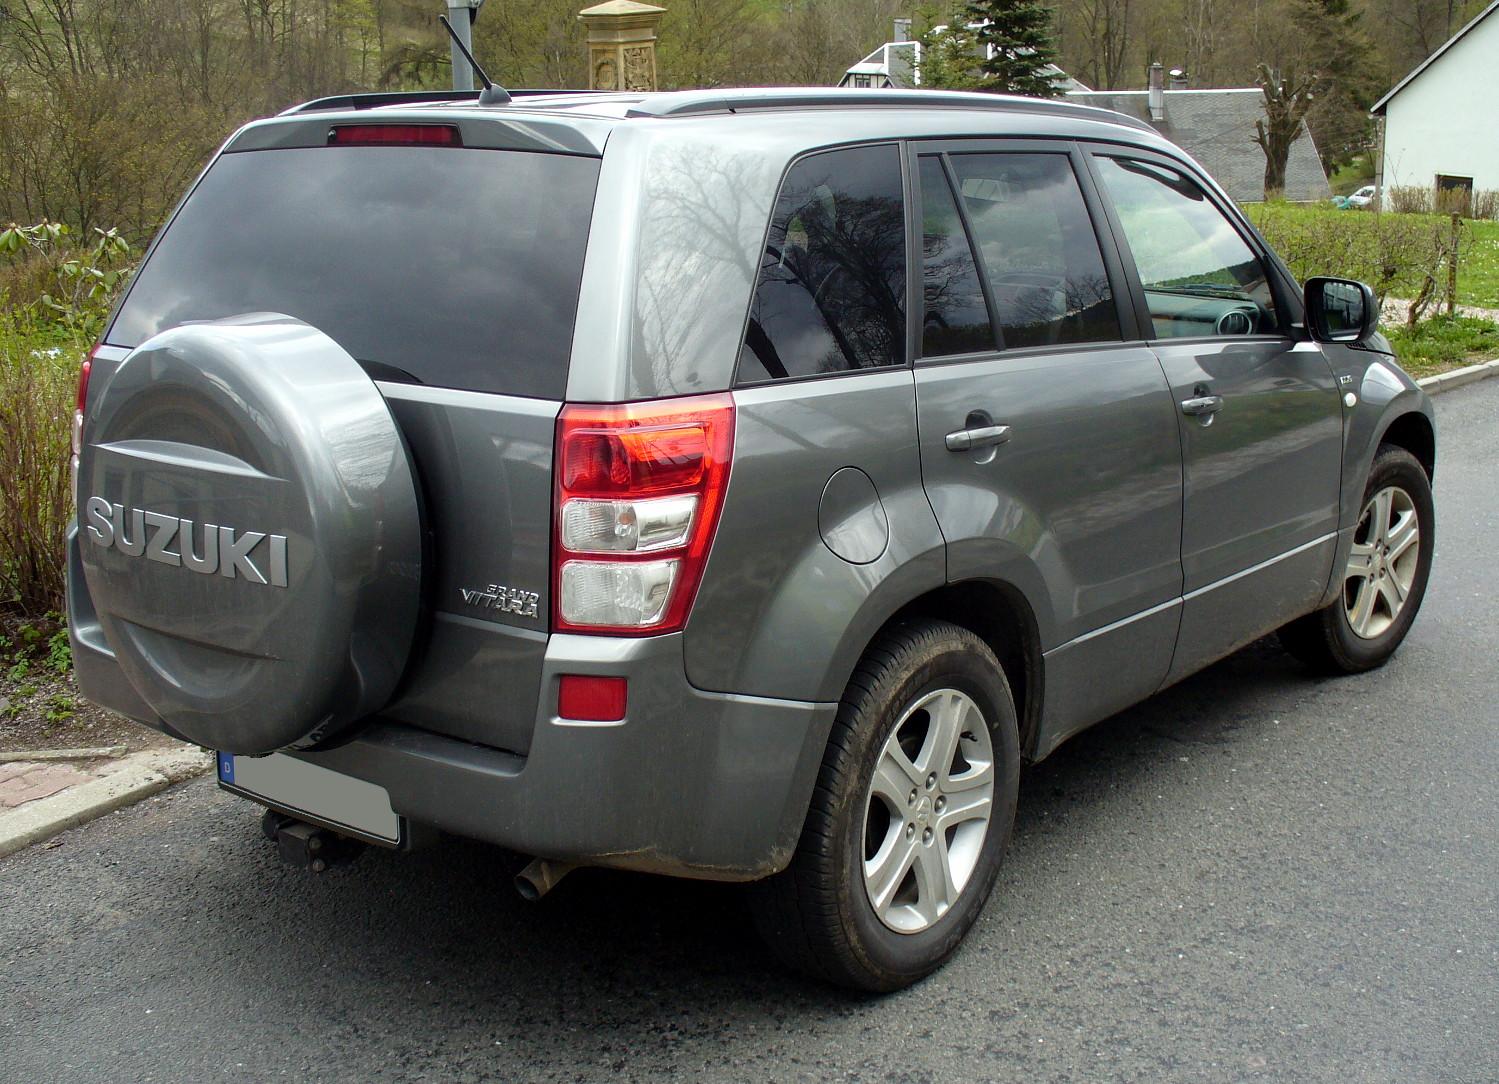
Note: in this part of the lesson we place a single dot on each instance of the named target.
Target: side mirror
(1340, 310)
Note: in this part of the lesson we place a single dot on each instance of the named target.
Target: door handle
(983, 436)
(1201, 405)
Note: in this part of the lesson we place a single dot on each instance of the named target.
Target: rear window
(446, 266)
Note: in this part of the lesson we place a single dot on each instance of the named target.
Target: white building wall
(1447, 119)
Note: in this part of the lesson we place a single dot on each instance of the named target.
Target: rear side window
(831, 292)
(956, 320)
(1037, 246)
(447, 266)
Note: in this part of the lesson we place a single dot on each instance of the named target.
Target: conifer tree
(1018, 34)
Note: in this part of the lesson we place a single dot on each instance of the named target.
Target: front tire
(910, 818)
(1385, 578)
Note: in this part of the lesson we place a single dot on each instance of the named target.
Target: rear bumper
(691, 783)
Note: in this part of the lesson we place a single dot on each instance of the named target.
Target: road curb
(131, 779)
(1434, 385)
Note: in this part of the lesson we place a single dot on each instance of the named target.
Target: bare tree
(1106, 27)
(1287, 102)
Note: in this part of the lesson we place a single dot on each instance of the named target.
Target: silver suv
(736, 485)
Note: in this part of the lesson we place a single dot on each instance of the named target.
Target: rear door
(451, 272)
(1048, 436)
(1258, 410)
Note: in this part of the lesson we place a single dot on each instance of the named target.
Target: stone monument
(622, 45)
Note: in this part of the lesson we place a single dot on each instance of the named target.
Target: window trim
(735, 380)
(1103, 233)
(1276, 275)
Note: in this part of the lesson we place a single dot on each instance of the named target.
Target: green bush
(55, 295)
(1398, 255)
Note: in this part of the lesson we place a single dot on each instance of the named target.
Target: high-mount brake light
(79, 403)
(639, 488)
(395, 135)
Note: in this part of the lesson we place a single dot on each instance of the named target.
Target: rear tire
(910, 817)
(1385, 578)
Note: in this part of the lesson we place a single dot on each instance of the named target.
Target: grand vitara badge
(497, 596)
(206, 548)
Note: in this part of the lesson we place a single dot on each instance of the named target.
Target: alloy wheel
(927, 811)
(1382, 563)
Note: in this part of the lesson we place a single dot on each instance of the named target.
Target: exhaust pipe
(541, 876)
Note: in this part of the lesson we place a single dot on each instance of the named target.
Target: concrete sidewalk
(44, 796)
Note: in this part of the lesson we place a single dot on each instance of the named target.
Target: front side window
(1200, 276)
(1037, 247)
(831, 291)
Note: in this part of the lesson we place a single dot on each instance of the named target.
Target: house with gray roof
(1216, 127)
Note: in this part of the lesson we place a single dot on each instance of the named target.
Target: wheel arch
(1414, 432)
(999, 614)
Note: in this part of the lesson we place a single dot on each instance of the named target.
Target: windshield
(448, 266)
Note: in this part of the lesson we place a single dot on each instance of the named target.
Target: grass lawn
(1444, 342)
(1352, 176)
(1478, 268)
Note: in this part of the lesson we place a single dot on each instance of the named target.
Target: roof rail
(696, 102)
(377, 99)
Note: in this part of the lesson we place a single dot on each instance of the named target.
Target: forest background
(109, 107)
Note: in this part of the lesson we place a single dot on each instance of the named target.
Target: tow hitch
(307, 846)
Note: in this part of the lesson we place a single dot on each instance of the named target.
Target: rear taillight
(395, 135)
(639, 487)
(79, 403)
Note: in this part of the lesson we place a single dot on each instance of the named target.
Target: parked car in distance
(1358, 199)
(735, 484)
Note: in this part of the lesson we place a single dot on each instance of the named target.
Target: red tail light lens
(395, 135)
(83, 371)
(655, 459)
(79, 403)
(639, 487)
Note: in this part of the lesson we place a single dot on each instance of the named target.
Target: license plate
(314, 793)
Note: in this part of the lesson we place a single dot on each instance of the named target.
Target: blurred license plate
(348, 805)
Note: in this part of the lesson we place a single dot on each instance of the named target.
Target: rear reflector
(395, 135)
(591, 699)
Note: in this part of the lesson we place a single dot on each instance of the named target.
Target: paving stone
(40, 781)
(15, 769)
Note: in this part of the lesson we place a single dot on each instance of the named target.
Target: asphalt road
(1254, 876)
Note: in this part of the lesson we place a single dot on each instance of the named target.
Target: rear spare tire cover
(250, 533)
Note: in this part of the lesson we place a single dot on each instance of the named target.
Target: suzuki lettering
(214, 549)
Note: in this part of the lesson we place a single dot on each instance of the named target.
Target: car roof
(792, 119)
(723, 102)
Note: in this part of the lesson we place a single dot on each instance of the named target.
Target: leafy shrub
(1409, 199)
(56, 296)
(1398, 255)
